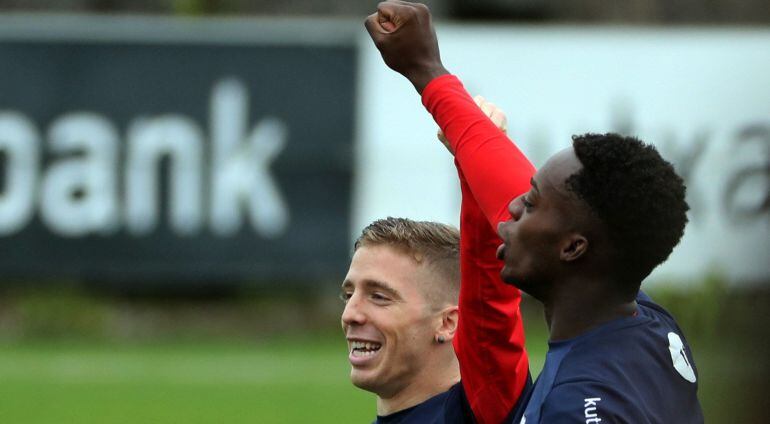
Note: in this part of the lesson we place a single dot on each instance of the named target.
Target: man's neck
(579, 306)
(423, 387)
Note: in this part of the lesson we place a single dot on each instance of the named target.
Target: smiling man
(402, 321)
(597, 219)
(401, 312)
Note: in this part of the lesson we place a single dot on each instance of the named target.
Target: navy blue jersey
(631, 370)
(447, 407)
(450, 407)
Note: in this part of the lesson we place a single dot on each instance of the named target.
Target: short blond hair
(434, 244)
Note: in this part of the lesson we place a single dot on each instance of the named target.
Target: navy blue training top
(631, 370)
(445, 408)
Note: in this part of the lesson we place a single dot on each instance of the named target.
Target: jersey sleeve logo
(679, 357)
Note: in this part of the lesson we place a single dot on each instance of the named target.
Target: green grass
(300, 379)
(284, 382)
(290, 380)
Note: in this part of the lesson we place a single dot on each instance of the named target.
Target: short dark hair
(637, 196)
(436, 244)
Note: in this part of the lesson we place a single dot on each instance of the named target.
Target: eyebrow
(374, 284)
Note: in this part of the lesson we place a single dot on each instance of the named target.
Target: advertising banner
(150, 151)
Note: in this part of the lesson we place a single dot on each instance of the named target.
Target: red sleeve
(490, 337)
(495, 168)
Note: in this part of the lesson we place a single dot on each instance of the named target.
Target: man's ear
(448, 327)
(575, 246)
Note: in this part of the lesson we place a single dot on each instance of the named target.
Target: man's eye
(345, 296)
(379, 297)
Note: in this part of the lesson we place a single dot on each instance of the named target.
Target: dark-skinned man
(599, 216)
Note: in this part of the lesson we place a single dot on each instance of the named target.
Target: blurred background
(181, 182)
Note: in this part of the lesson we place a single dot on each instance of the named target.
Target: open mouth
(364, 349)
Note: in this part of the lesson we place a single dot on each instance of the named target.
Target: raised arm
(490, 340)
(490, 337)
(495, 169)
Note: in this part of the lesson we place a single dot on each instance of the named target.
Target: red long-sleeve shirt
(490, 338)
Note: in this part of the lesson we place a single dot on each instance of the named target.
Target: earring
(440, 339)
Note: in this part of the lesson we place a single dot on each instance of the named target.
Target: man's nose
(516, 207)
(352, 314)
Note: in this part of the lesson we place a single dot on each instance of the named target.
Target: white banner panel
(701, 95)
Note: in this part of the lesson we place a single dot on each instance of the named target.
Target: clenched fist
(404, 35)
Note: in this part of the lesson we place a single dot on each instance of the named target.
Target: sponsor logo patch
(679, 357)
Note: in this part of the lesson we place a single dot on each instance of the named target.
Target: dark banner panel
(175, 161)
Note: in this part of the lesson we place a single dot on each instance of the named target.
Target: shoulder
(638, 371)
(646, 351)
(648, 307)
(632, 343)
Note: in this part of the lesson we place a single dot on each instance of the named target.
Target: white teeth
(363, 353)
(364, 348)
